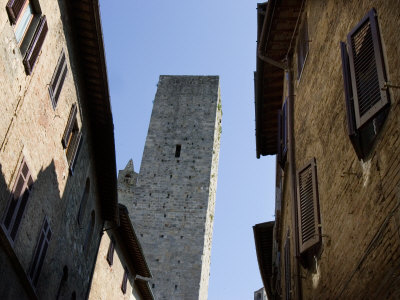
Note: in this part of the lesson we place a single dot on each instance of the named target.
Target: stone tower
(172, 205)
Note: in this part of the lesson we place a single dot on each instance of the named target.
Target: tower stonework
(172, 205)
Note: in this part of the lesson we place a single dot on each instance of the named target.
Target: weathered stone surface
(172, 205)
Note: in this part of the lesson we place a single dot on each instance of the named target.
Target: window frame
(39, 254)
(58, 78)
(302, 47)
(72, 138)
(17, 214)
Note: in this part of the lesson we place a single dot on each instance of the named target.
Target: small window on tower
(178, 151)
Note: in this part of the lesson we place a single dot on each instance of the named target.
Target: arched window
(90, 230)
(84, 200)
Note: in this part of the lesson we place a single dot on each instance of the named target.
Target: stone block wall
(359, 200)
(173, 204)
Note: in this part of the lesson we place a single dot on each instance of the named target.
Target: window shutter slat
(70, 125)
(14, 8)
(308, 207)
(367, 69)
(348, 93)
(36, 45)
(73, 150)
(58, 79)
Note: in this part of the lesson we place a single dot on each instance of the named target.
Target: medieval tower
(172, 201)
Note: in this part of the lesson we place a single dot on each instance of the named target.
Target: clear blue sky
(145, 39)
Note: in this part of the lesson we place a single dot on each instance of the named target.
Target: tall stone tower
(172, 205)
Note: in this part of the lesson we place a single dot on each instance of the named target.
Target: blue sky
(145, 39)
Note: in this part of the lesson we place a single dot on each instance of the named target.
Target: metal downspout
(292, 171)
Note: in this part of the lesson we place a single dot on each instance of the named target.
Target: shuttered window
(30, 28)
(84, 200)
(302, 47)
(364, 76)
(18, 201)
(40, 253)
(110, 253)
(124, 280)
(14, 9)
(288, 276)
(58, 79)
(282, 135)
(308, 207)
(367, 69)
(36, 45)
(72, 138)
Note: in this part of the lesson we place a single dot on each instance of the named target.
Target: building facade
(172, 204)
(121, 270)
(57, 157)
(327, 90)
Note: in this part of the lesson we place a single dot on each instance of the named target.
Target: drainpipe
(292, 172)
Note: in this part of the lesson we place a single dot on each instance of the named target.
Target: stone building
(57, 157)
(327, 89)
(121, 270)
(172, 204)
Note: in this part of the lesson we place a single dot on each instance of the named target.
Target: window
(72, 138)
(40, 253)
(90, 229)
(302, 47)
(178, 151)
(282, 135)
(18, 201)
(308, 207)
(364, 75)
(110, 253)
(124, 280)
(63, 282)
(84, 200)
(288, 276)
(58, 78)
(30, 29)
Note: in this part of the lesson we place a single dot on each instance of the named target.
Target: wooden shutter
(40, 252)
(282, 135)
(73, 149)
(288, 276)
(124, 280)
(35, 46)
(348, 92)
(308, 207)
(58, 79)
(110, 253)
(70, 125)
(18, 201)
(14, 8)
(302, 47)
(367, 69)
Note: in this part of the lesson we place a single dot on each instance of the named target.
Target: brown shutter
(110, 253)
(14, 8)
(40, 252)
(308, 207)
(58, 78)
(348, 93)
(36, 45)
(124, 280)
(73, 149)
(18, 201)
(70, 126)
(288, 276)
(367, 69)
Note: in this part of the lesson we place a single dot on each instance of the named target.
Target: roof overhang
(264, 238)
(89, 51)
(132, 244)
(276, 34)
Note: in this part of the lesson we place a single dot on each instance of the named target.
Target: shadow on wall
(41, 243)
